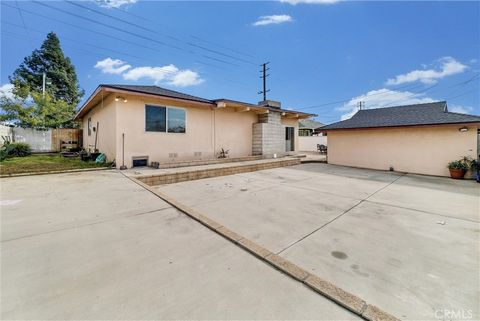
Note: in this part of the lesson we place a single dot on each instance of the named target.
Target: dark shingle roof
(411, 115)
(309, 123)
(155, 90)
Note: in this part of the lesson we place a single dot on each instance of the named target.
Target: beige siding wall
(105, 116)
(425, 150)
(206, 132)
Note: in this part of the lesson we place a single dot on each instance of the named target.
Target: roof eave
(88, 105)
(234, 103)
(321, 129)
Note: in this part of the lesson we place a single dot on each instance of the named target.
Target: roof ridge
(461, 114)
(401, 106)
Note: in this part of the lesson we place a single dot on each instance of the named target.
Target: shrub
(14, 150)
(458, 164)
(19, 149)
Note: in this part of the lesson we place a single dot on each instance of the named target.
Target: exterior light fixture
(118, 98)
(463, 129)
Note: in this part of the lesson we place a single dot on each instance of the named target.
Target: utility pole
(43, 84)
(264, 77)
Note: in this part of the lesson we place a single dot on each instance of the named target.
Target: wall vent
(139, 161)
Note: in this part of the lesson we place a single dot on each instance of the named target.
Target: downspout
(214, 132)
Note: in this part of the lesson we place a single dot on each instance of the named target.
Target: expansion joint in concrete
(315, 283)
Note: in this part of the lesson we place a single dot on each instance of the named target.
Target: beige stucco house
(420, 138)
(141, 124)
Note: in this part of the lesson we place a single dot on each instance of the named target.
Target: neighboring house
(310, 138)
(306, 127)
(420, 138)
(141, 124)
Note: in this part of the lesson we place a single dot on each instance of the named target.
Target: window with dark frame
(165, 119)
(155, 119)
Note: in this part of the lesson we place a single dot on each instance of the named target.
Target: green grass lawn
(44, 163)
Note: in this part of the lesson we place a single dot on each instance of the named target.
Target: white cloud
(382, 98)
(112, 66)
(114, 3)
(157, 74)
(168, 74)
(446, 66)
(186, 78)
(6, 91)
(294, 2)
(460, 109)
(274, 19)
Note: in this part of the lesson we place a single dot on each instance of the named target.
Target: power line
(463, 83)
(348, 99)
(396, 102)
(143, 18)
(23, 23)
(222, 46)
(126, 31)
(156, 32)
(463, 94)
(100, 33)
(75, 40)
(95, 54)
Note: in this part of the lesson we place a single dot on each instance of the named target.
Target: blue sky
(324, 55)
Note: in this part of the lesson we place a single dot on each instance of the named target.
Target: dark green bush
(20, 149)
(14, 150)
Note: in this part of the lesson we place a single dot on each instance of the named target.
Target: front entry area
(289, 139)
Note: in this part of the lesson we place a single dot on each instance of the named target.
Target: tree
(37, 111)
(60, 72)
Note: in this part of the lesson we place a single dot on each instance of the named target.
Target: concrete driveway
(95, 245)
(406, 243)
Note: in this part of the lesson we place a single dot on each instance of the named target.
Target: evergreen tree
(60, 72)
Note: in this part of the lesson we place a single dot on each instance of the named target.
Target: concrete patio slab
(145, 265)
(407, 257)
(439, 195)
(256, 215)
(212, 189)
(53, 202)
(401, 260)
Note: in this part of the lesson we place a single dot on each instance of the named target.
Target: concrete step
(208, 161)
(176, 175)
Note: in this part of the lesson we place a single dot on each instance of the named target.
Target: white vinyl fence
(39, 140)
(309, 143)
(51, 140)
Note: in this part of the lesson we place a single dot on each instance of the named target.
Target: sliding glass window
(165, 119)
(176, 120)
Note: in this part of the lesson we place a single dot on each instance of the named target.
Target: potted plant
(459, 167)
